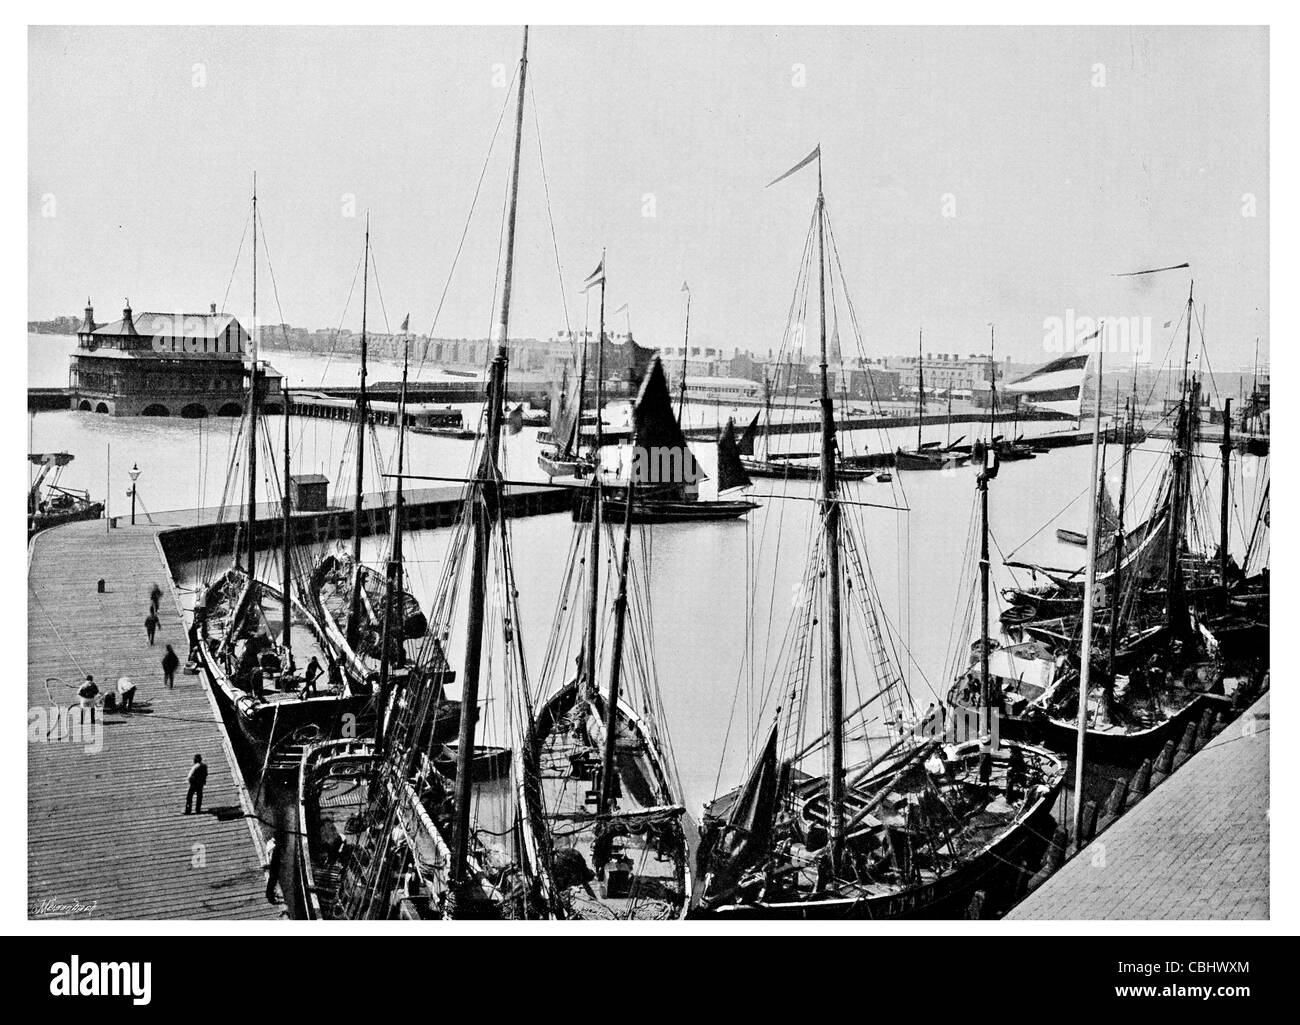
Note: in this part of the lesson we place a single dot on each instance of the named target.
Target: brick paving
(1197, 847)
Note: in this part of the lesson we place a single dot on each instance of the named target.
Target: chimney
(213, 308)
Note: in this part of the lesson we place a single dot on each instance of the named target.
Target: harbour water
(718, 589)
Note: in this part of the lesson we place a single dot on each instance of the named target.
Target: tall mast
(1182, 446)
(1117, 550)
(607, 776)
(287, 550)
(393, 588)
(982, 483)
(1225, 454)
(593, 553)
(686, 341)
(354, 612)
(830, 510)
(252, 408)
(1085, 643)
(485, 509)
(920, 332)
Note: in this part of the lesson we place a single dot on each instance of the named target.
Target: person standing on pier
(151, 624)
(272, 870)
(197, 778)
(155, 597)
(170, 662)
(87, 693)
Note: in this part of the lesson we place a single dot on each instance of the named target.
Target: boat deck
(654, 886)
(107, 837)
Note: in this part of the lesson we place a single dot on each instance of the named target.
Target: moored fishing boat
(913, 830)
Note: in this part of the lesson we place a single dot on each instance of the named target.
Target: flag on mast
(1057, 385)
(406, 324)
(814, 155)
(596, 277)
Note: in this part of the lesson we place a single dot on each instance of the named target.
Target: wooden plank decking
(106, 833)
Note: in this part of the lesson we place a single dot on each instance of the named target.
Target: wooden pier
(106, 833)
(1196, 846)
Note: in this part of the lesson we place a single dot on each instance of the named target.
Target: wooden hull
(781, 469)
(664, 512)
(263, 721)
(996, 869)
(44, 521)
(904, 460)
(554, 813)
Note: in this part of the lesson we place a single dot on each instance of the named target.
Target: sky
(973, 176)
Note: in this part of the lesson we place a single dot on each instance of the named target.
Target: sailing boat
(1149, 659)
(348, 596)
(600, 800)
(59, 503)
(431, 832)
(910, 831)
(927, 455)
(659, 462)
(784, 466)
(254, 640)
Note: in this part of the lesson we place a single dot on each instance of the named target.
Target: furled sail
(740, 841)
(564, 415)
(731, 472)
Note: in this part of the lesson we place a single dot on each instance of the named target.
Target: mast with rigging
(485, 508)
(354, 610)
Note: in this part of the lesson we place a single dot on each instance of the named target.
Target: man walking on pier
(198, 777)
(151, 624)
(170, 661)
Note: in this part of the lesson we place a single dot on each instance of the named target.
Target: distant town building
(164, 364)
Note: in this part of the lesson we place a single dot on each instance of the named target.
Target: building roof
(172, 325)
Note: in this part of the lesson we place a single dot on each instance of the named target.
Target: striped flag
(1057, 386)
(596, 277)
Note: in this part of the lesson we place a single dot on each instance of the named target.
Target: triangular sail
(731, 472)
(658, 434)
(742, 840)
(745, 445)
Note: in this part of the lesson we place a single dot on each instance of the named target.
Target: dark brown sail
(731, 472)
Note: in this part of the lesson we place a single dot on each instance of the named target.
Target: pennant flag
(596, 277)
(620, 310)
(1153, 270)
(814, 155)
(406, 324)
(1057, 385)
(685, 287)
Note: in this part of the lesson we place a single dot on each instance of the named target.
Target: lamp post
(135, 476)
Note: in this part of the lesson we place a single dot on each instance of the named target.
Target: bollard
(1165, 760)
(1142, 778)
(101, 585)
(1115, 802)
(1188, 743)
(1055, 856)
(1088, 827)
(1206, 728)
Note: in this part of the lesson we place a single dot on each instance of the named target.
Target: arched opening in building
(194, 411)
(157, 409)
(231, 409)
(84, 405)
(102, 408)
